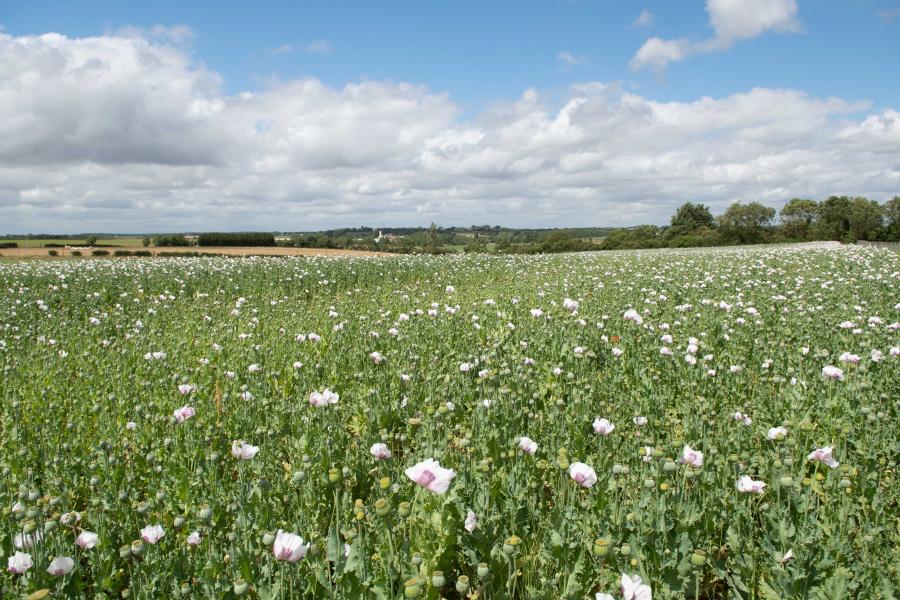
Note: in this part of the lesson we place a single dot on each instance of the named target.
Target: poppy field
(678, 424)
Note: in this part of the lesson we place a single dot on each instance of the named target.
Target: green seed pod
(178, 522)
(412, 589)
(462, 584)
(698, 558)
(483, 570)
(786, 481)
(137, 548)
(124, 551)
(403, 510)
(625, 550)
(416, 559)
(51, 526)
(649, 484)
(268, 539)
(601, 547)
(205, 512)
(669, 466)
(240, 587)
(334, 475)
(382, 507)
(29, 526)
(437, 579)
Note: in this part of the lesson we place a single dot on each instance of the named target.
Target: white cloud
(282, 49)
(124, 134)
(734, 20)
(731, 20)
(319, 47)
(568, 61)
(657, 53)
(645, 19)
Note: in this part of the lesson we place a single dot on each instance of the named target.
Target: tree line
(837, 218)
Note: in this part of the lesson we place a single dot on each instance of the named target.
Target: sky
(184, 116)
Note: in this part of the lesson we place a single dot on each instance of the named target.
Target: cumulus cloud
(128, 134)
(568, 61)
(731, 20)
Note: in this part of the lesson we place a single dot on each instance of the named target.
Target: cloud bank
(129, 133)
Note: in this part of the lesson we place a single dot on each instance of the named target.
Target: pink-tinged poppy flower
(243, 450)
(324, 398)
(194, 539)
(832, 372)
(582, 474)
(471, 521)
(776, 433)
(640, 421)
(27, 540)
(152, 533)
(536, 312)
(876, 355)
(431, 475)
(648, 454)
(377, 357)
(847, 357)
(823, 455)
(634, 588)
(61, 566)
(570, 305)
(527, 445)
(603, 427)
(788, 557)
(186, 388)
(87, 540)
(602, 596)
(449, 289)
(692, 457)
(617, 352)
(745, 419)
(894, 351)
(380, 451)
(747, 485)
(633, 316)
(289, 547)
(664, 351)
(19, 563)
(184, 413)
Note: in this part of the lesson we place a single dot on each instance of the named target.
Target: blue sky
(480, 51)
(166, 116)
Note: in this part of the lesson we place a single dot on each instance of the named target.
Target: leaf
(574, 581)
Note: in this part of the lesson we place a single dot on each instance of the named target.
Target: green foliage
(173, 240)
(254, 239)
(112, 345)
(745, 223)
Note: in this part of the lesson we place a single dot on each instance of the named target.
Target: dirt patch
(231, 251)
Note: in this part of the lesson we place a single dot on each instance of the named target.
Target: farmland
(719, 423)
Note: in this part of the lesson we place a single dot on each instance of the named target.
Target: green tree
(834, 219)
(892, 215)
(866, 219)
(746, 223)
(798, 218)
(91, 240)
(145, 242)
(690, 216)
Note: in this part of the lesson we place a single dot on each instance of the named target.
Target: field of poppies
(681, 424)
